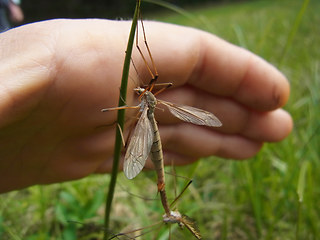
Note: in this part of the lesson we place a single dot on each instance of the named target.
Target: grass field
(271, 196)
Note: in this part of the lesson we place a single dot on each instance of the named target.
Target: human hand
(56, 76)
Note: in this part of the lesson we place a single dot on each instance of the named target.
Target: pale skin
(56, 76)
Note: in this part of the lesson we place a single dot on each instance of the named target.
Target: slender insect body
(150, 101)
(157, 159)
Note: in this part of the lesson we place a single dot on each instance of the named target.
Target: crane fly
(146, 140)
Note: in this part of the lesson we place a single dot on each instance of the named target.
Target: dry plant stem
(120, 120)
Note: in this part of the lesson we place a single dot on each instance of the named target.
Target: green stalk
(120, 121)
(294, 30)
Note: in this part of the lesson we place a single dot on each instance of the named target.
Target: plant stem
(120, 121)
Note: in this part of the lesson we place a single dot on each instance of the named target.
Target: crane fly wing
(139, 146)
(193, 115)
(191, 226)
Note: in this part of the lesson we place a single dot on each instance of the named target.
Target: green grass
(272, 196)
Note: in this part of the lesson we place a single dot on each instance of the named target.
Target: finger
(237, 73)
(271, 126)
(216, 66)
(196, 142)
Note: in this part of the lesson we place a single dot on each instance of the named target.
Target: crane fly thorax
(147, 99)
(151, 100)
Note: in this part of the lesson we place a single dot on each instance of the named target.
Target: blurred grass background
(271, 196)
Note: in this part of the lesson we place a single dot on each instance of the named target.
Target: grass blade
(300, 192)
(294, 30)
(302, 180)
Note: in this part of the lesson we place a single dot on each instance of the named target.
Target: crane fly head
(174, 217)
(140, 90)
